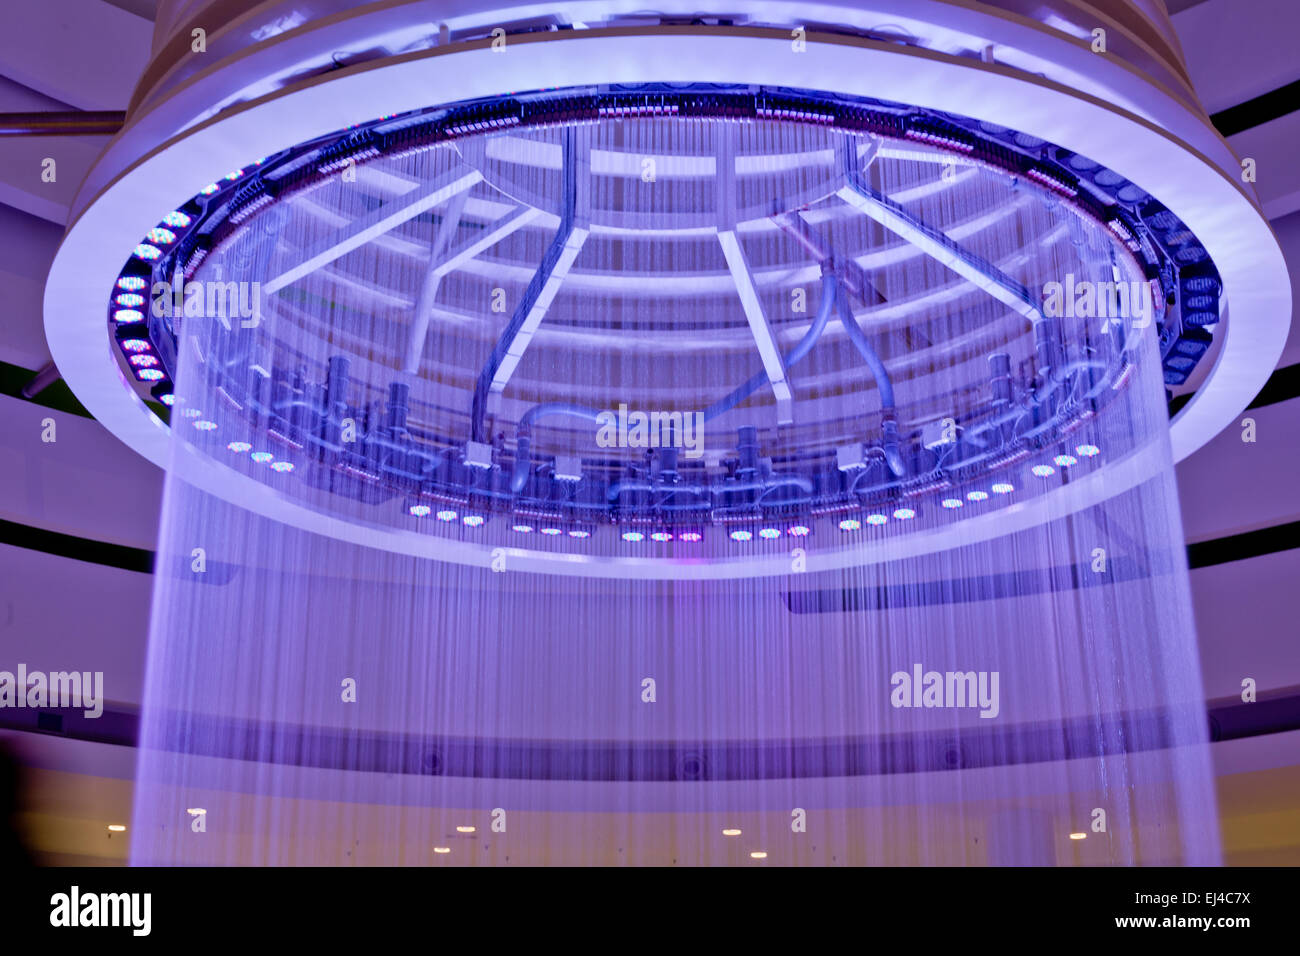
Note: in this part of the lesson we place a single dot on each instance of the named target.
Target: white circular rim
(1212, 205)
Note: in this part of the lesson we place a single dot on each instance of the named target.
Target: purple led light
(741, 535)
(160, 236)
(239, 447)
(419, 511)
(579, 533)
(1043, 471)
(552, 531)
(877, 519)
(146, 252)
(977, 496)
(128, 300)
(131, 283)
(472, 521)
(283, 467)
(903, 514)
(143, 361)
(633, 536)
(1002, 488)
(127, 316)
(661, 536)
(149, 375)
(769, 533)
(261, 457)
(850, 524)
(951, 503)
(446, 515)
(799, 530)
(1088, 451)
(522, 528)
(178, 219)
(690, 536)
(135, 345)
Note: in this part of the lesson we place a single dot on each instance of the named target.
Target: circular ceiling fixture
(665, 292)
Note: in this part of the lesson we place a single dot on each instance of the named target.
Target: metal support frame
(432, 279)
(387, 217)
(742, 275)
(62, 123)
(933, 242)
(575, 226)
(850, 274)
(440, 268)
(46, 376)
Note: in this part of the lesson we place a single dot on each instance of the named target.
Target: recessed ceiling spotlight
(731, 831)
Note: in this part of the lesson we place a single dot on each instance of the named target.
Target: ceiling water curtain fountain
(605, 338)
(998, 666)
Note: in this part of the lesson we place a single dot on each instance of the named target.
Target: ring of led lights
(1212, 205)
